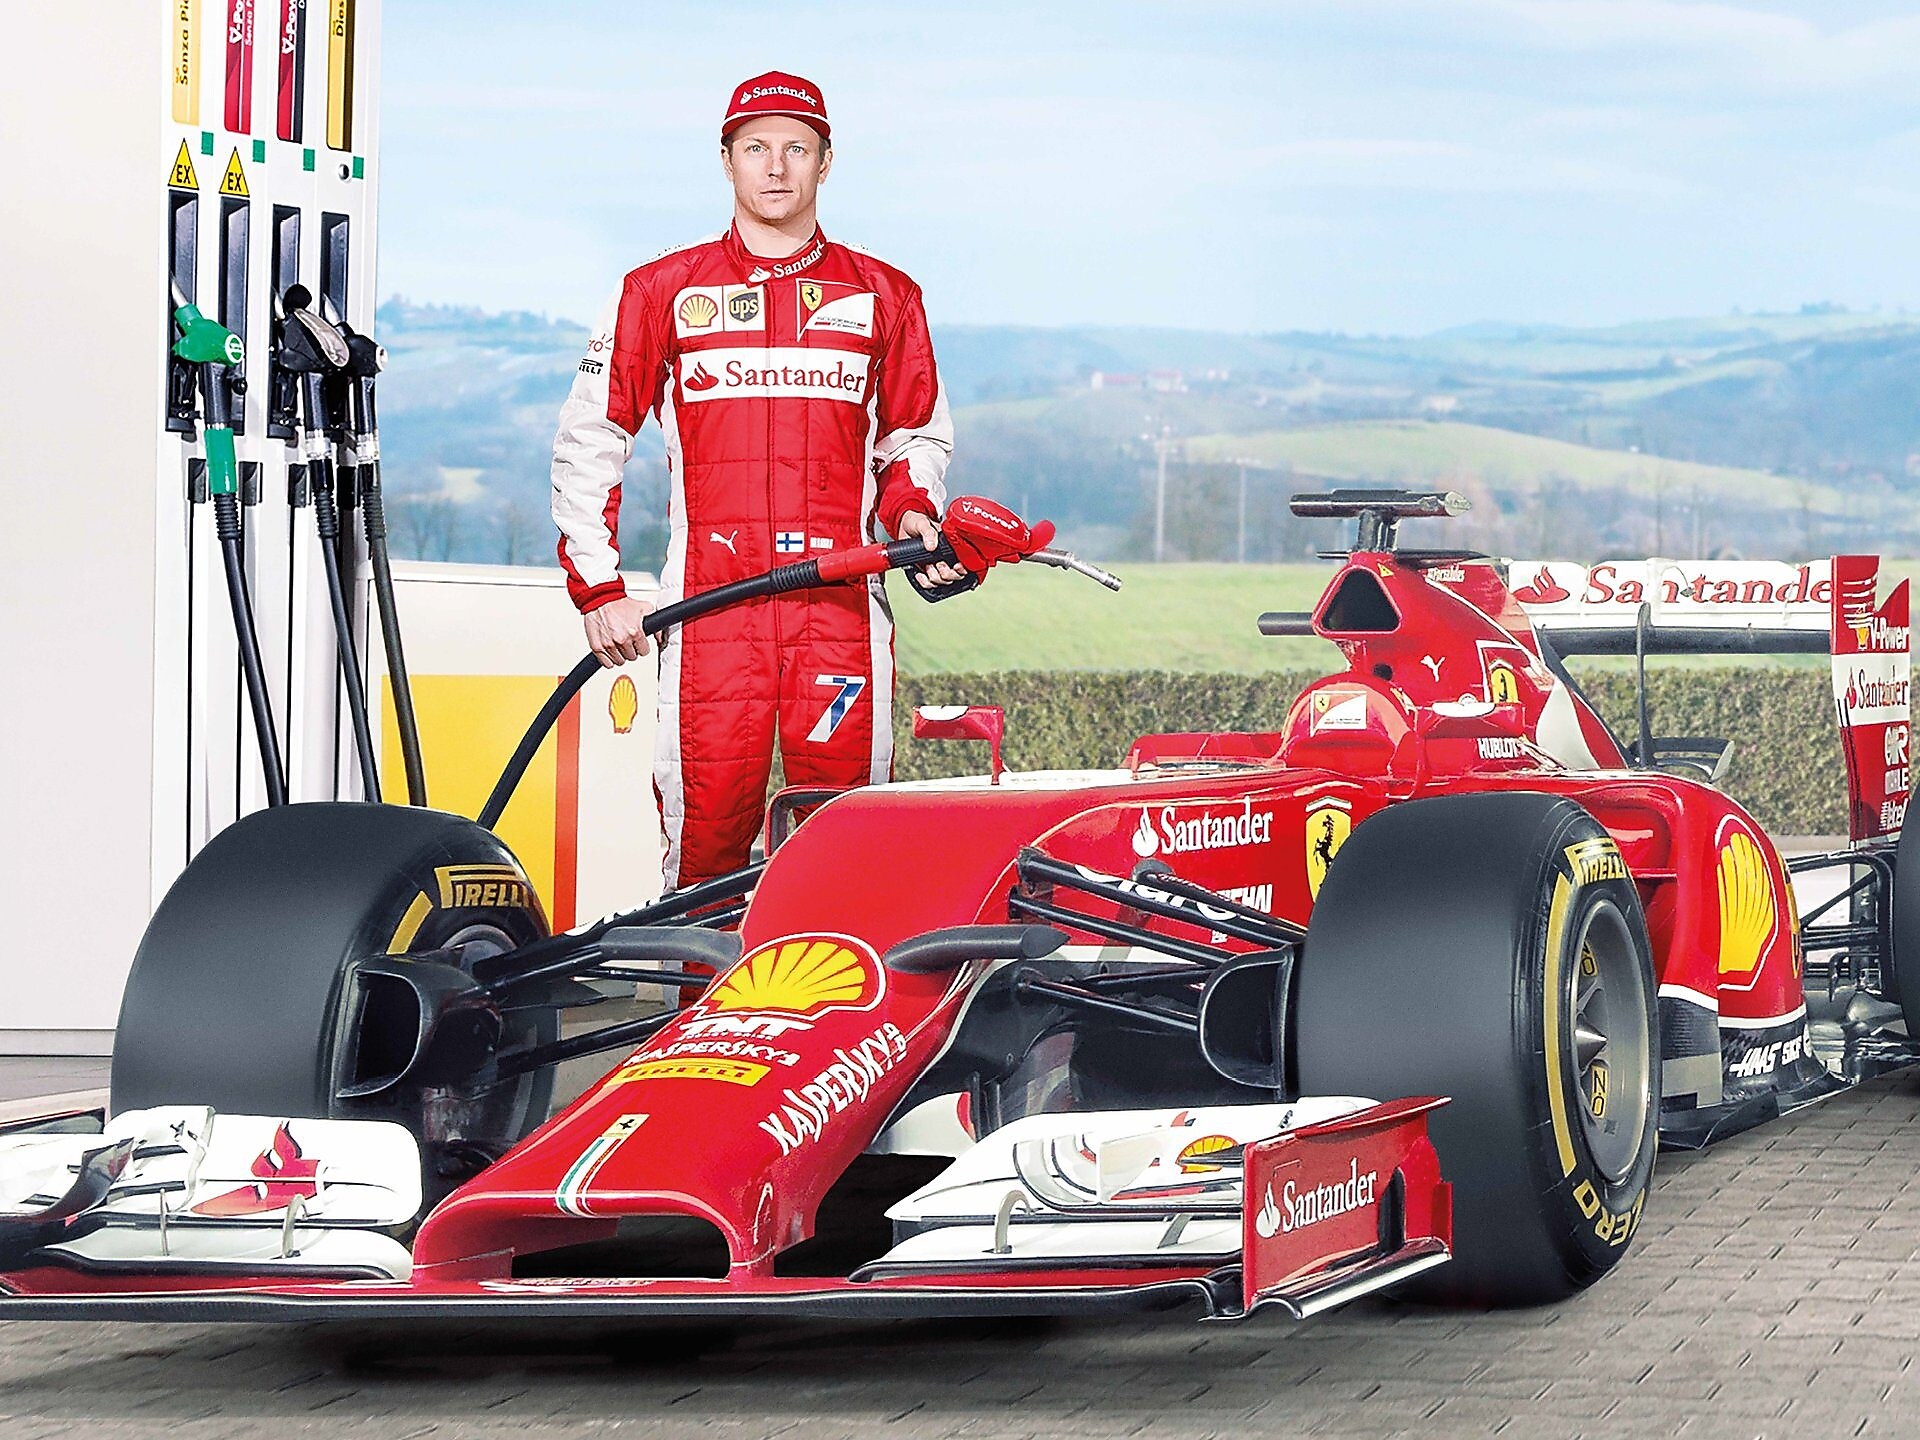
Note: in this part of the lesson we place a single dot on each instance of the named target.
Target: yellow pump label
(340, 74)
(184, 39)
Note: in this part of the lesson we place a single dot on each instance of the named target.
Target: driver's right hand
(614, 631)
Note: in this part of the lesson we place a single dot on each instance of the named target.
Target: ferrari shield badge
(1328, 824)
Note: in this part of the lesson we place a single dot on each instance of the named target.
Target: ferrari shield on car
(1401, 994)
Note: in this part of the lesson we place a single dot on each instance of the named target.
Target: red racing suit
(800, 406)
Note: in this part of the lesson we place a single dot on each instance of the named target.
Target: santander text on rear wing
(1754, 607)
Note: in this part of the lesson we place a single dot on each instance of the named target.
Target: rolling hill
(1728, 433)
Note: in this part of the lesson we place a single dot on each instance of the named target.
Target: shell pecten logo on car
(1747, 910)
(1194, 1159)
(801, 975)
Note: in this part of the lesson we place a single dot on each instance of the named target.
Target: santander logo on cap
(777, 93)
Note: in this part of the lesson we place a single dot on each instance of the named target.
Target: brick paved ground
(1774, 1291)
(22, 1076)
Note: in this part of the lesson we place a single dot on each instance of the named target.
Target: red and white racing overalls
(800, 405)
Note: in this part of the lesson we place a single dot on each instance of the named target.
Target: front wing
(1326, 1213)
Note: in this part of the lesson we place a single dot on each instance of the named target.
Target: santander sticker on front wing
(776, 372)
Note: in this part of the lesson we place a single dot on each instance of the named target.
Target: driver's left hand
(926, 528)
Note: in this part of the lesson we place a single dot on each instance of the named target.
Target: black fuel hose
(327, 519)
(373, 516)
(781, 580)
(226, 525)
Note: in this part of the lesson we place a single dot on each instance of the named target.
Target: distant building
(1167, 382)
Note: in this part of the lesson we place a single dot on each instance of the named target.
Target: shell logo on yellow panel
(802, 975)
(623, 703)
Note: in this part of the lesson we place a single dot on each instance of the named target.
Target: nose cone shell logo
(701, 378)
(1145, 842)
(1193, 1159)
(698, 311)
(802, 975)
(1328, 826)
(623, 704)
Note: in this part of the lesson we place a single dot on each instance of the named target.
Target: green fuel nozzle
(210, 347)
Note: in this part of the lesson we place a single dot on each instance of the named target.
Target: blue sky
(1356, 165)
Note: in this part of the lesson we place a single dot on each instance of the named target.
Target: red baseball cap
(777, 93)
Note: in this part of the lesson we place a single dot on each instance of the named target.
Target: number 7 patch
(850, 687)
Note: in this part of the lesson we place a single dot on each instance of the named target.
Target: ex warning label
(182, 176)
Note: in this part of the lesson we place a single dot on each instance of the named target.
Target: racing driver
(794, 379)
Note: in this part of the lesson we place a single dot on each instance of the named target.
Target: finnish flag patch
(789, 542)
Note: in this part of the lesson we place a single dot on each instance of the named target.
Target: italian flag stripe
(571, 1196)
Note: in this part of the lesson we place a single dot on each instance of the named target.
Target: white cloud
(1754, 49)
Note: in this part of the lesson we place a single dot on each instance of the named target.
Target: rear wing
(1755, 607)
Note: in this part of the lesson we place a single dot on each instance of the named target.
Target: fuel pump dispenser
(218, 358)
(312, 348)
(218, 156)
(355, 402)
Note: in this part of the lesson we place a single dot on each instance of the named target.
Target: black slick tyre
(1905, 928)
(242, 994)
(1491, 948)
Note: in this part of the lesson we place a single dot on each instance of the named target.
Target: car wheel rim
(1609, 1053)
(490, 1118)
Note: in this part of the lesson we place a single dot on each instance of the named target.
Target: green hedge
(1786, 762)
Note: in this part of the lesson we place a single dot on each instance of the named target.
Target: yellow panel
(469, 725)
(185, 39)
(340, 40)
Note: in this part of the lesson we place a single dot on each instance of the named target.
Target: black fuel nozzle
(306, 344)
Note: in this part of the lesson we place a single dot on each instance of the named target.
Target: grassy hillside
(1166, 617)
(1421, 452)
(1797, 430)
(1193, 618)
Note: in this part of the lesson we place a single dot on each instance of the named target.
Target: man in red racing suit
(795, 382)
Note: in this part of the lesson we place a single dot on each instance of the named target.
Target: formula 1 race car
(1173, 1033)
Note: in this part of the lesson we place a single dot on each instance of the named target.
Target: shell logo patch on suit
(698, 311)
(708, 309)
(802, 975)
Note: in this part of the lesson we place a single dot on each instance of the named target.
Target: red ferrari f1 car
(1206, 1029)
